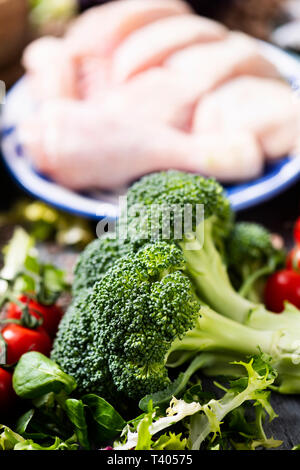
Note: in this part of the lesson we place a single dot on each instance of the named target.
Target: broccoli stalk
(209, 274)
(213, 332)
(231, 341)
(247, 289)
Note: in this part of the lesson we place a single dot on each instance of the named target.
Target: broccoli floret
(251, 257)
(150, 202)
(120, 332)
(96, 259)
(74, 348)
(159, 203)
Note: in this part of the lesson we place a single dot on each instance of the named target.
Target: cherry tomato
(20, 340)
(51, 315)
(282, 286)
(293, 259)
(7, 393)
(297, 231)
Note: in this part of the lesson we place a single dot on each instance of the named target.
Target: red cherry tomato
(51, 315)
(293, 259)
(20, 340)
(282, 286)
(7, 393)
(297, 231)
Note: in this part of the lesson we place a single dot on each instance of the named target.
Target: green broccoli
(251, 257)
(120, 332)
(144, 315)
(96, 259)
(157, 203)
(74, 348)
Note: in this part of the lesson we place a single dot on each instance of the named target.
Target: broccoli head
(251, 256)
(96, 259)
(120, 332)
(158, 203)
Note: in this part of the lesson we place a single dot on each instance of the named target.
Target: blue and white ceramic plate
(276, 178)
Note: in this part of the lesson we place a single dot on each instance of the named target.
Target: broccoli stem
(248, 284)
(214, 332)
(209, 275)
(230, 341)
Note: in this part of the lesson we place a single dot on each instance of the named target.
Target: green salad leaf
(36, 375)
(8, 438)
(106, 421)
(75, 410)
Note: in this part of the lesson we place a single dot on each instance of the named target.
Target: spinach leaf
(23, 421)
(76, 414)
(107, 421)
(36, 375)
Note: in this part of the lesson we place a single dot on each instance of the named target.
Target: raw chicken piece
(213, 63)
(157, 94)
(101, 29)
(151, 45)
(265, 107)
(80, 146)
(93, 77)
(50, 69)
(73, 66)
(230, 156)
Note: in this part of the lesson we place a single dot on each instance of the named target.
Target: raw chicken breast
(81, 62)
(50, 70)
(99, 30)
(151, 45)
(157, 94)
(80, 146)
(138, 86)
(230, 156)
(213, 63)
(92, 77)
(265, 107)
